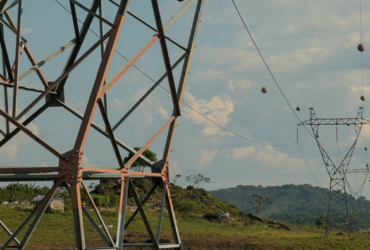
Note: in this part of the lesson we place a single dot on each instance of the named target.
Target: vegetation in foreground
(191, 206)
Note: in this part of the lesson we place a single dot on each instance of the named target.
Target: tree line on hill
(302, 204)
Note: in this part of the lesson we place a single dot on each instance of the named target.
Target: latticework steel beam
(69, 171)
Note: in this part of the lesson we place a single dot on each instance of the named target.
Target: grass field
(57, 227)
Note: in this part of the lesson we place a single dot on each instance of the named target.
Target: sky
(310, 47)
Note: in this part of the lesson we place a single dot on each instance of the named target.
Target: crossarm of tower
(336, 121)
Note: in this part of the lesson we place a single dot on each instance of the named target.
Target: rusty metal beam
(145, 95)
(11, 29)
(8, 85)
(28, 53)
(32, 135)
(184, 74)
(9, 6)
(6, 57)
(76, 49)
(70, 169)
(26, 122)
(166, 57)
(92, 13)
(2, 4)
(17, 57)
(101, 76)
(75, 23)
(64, 75)
(111, 135)
(151, 140)
(38, 65)
(144, 49)
(112, 244)
(104, 132)
(13, 170)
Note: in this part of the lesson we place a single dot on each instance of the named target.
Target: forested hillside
(292, 203)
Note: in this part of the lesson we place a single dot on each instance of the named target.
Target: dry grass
(58, 228)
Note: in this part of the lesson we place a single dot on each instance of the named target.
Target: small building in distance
(56, 203)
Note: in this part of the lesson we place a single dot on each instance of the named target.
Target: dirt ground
(193, 242)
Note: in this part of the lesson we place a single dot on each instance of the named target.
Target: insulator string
(340, 157)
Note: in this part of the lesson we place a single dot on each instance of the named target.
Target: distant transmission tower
(356, 223)
(337, 206)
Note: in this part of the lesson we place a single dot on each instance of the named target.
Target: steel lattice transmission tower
(69, 171)
(337, 206)
(355, 202)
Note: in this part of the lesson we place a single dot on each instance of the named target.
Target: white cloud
(86, 162)
(217, 109)
(292, 29)
(11, 149)
(288, 61)
(272, 158)
(27, 30)
(151, 107)
(238, 153)
(359, 88)
(241, 83)
(175, 169)
(163, 112)
(231, 86)
(120, 105)
(207, 157)
(82, 104)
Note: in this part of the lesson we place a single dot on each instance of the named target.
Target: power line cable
(218, 40)
(274, 79)
(362, 88)
(362, 72)
(360, 5)
(263, 59)
(300, 149)
(243, 137)
(228, 51)
(362, 68)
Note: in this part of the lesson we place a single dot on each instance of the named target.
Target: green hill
(301, 204)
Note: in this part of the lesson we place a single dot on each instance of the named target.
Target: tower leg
(77, 217)
(122, 213)
(337, 206)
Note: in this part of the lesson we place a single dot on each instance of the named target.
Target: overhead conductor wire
(308, 166)
(362, 69)
(233, 57)
(362, 82)
(362, 72)
(236, 134)
(281, 91)
(268, 68)
(359, 191)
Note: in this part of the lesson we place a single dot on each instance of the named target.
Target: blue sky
(310, 46)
